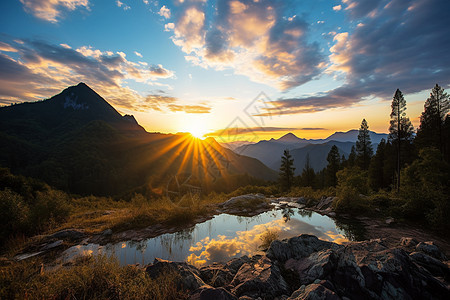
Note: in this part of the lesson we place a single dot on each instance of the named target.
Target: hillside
(76, 141)
(270, 151)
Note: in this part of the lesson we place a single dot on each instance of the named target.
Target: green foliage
(98, 277)
(286, 175)
(376, 174)
(425, 188)
(308, 176)
(333, 166)
(271, 190)
(29, 207)
(364, 149)
(431, 129)
(352, 182)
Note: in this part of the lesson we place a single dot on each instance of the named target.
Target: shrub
(13, 214)
(267, 238)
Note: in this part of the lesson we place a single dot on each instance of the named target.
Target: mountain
(236, 144)
(270, 152)
(352, 136)
(76, 141)
(317, 155)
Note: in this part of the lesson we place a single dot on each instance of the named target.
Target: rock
(259, 278)
(300, 200)
(243, 200)
(433, 265)
(315, 266)
(188, 279)
(217, 275)
(298, 247)
(68, 234)
(107, 232)
(207, 292)
(389, 221)
(316, 291)
(431, 249)
(324, 203)
(408, 242)
(52, 245)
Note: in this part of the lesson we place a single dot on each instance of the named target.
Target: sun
(197, 130)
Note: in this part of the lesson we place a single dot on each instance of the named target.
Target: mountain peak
(289, 138)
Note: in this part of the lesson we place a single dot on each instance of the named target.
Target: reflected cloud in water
(219, 239)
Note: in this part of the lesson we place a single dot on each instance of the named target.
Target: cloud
(51, 10)
(160, 101)
(255, 38)
(313, 128)
(164, 12)
(243, 131)
(43, 69)
(138, 54)
(392, 48)
(122, 5)
(190, 109)
(248, 242)
(337, 7)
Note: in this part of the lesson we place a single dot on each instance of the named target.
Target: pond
(222, 238)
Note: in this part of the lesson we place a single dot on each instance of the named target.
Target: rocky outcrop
(305, 267)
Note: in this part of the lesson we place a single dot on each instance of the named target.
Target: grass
(98, 277)
(267, 238)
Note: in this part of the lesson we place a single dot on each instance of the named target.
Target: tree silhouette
(308, 176)
(401, 129)
(364, 146)
(286, 171)
(376, 167)
(352, 157)
(430, 132)
(333, 159)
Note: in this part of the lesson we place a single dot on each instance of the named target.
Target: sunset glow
(323, 65)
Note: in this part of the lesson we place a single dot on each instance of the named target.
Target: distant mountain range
(78, 142)
(270, 151)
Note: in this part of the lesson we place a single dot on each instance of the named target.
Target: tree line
(411, 165)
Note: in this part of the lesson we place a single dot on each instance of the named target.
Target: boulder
(68, 234)
(188, 276)
(217, 275)
(433, 265)
(317, 265)
(325, 203)
(298, 247)
(431, 249)
(316, 291)
(207, 293)
(244, 200)
(259, 278)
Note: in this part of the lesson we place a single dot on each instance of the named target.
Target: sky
(231, 69)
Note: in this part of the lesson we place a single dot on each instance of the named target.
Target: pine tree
(376, 167)
(364, 149)
(401, 130)
(430, 132)
(286, 171)
(333, 159)
(352, 157)
(308, 176)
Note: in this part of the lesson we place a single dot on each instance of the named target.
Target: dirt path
(394, 232)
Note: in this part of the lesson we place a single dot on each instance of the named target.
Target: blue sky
(199, 65)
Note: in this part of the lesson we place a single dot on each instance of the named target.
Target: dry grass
(97, 277)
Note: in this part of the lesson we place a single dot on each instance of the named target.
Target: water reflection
(221, 238)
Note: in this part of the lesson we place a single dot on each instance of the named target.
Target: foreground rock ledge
(305, 267)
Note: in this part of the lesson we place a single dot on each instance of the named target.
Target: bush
(352, 182)
(13, 214)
